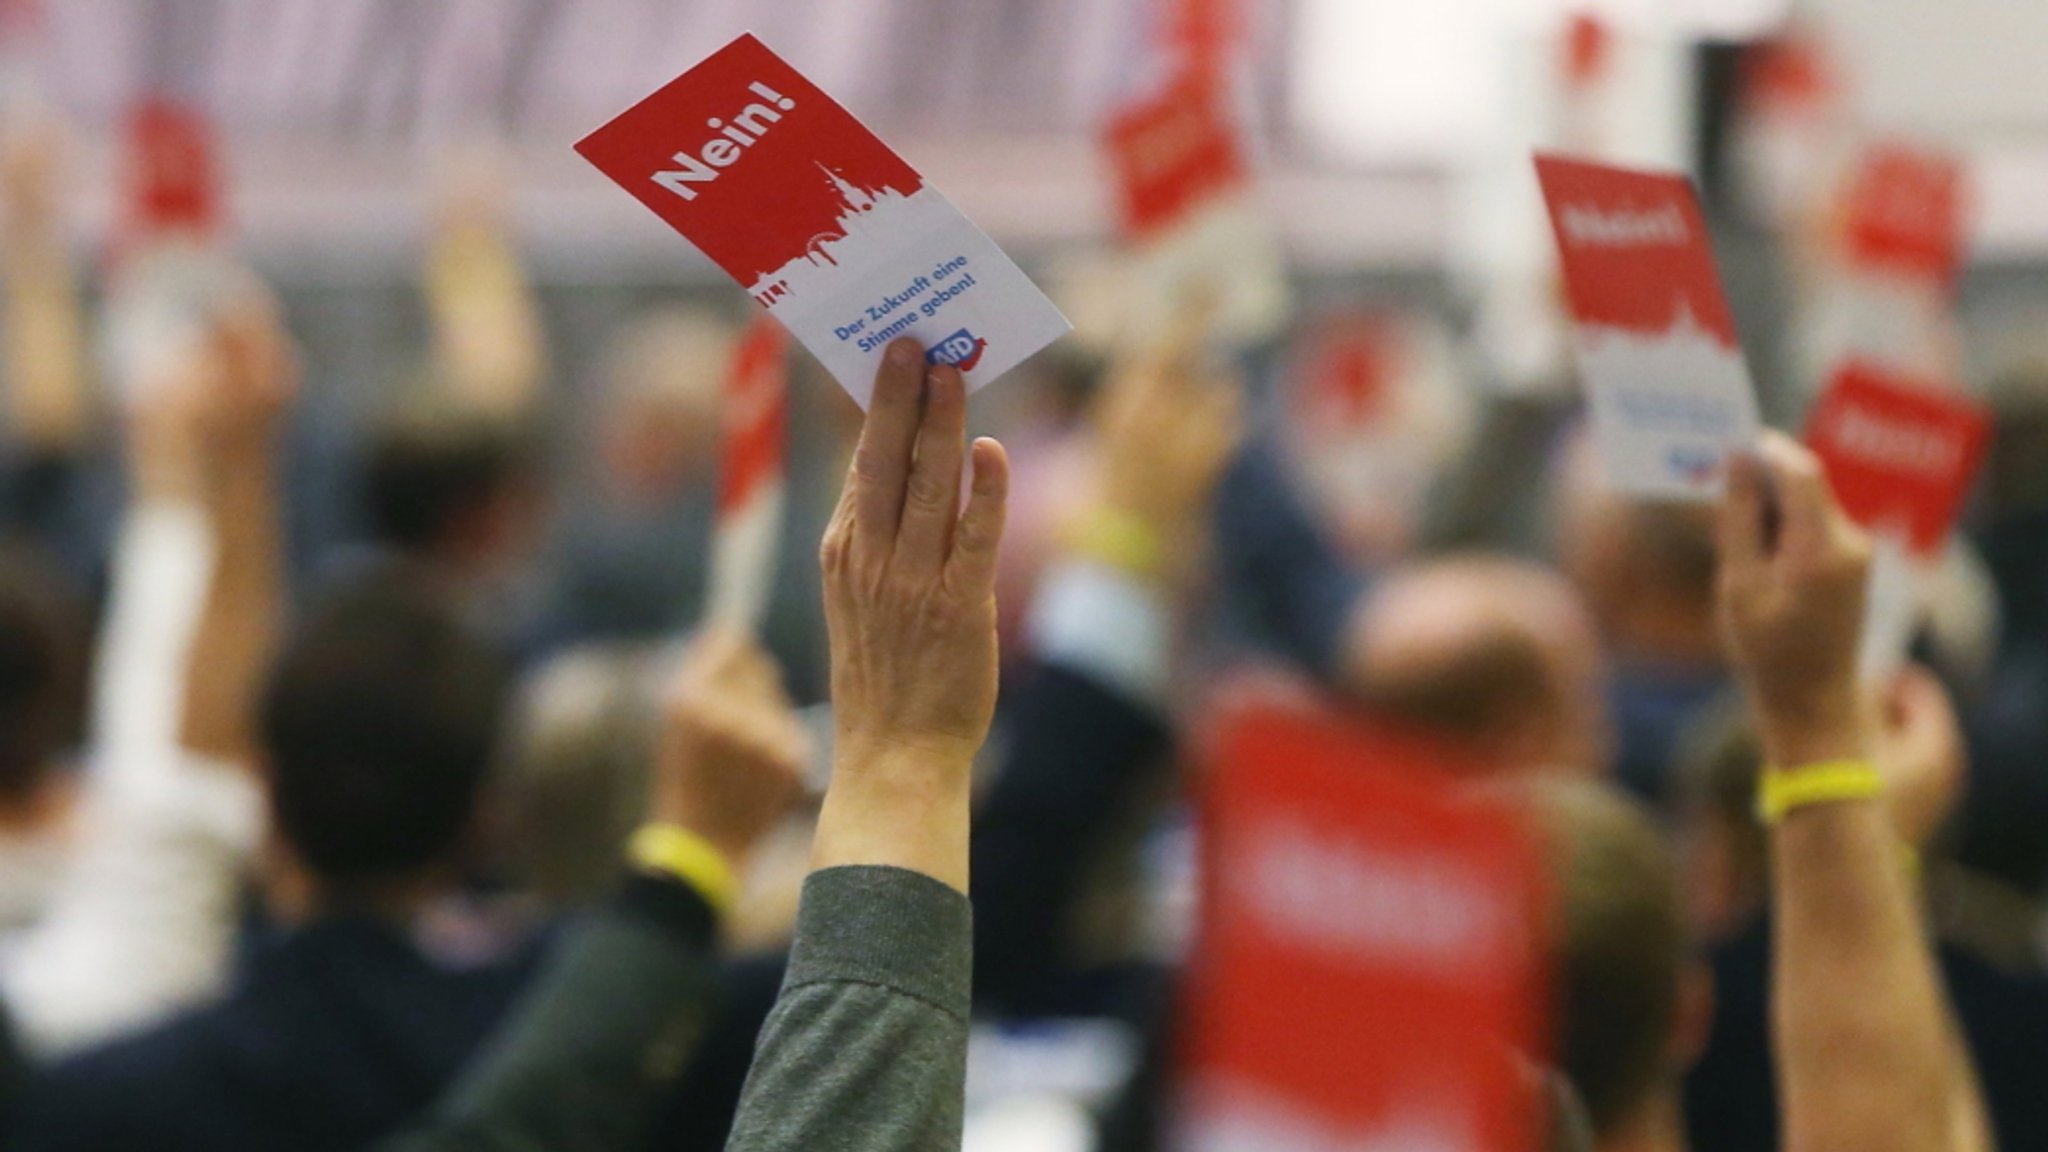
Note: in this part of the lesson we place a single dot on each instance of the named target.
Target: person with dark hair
(379, 725)
(141, 922)
(376, 728)
(454, 493)
(42, 674)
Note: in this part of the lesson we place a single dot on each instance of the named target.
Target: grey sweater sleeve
(866, 1050)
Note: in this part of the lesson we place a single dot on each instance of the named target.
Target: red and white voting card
(1900, 454)
(820, 221)
(1179, 160)
(1175, 153)
(1903, 214)
(748, 529)
(169, 274)
(1657, 349)
(1371, 948)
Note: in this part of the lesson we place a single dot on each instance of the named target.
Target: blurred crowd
(408, 805)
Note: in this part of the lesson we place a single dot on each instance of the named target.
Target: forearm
(1859, 1014)
(867, 1046)
(45, 345)
(239, 623)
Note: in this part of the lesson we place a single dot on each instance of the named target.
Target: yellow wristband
(1782, 790)
(673, 851)
(1118, 539)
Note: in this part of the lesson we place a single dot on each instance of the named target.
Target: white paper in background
(1891, 607)
(161, 303)
(743, 551)
(1227, 252)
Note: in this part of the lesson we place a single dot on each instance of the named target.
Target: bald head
(1492, 651)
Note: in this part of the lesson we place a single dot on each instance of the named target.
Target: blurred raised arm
(1865, 1057)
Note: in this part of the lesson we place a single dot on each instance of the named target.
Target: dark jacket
(334, 1035)
(598, 1040)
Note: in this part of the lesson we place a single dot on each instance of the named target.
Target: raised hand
(732, 750)
(910, 606)
(1166, 426)
(1793, 571)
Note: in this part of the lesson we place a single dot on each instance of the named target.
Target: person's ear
(1695, 1024)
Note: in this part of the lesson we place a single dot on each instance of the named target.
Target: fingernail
(903, 353)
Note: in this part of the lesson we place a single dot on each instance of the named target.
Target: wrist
(911, 770)
(679, 853)
(1111, 533)
(1821, 729)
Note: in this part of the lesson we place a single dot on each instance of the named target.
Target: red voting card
(1204, 33)
(820, 221)
(1371, 948)
(1175, 154)
(1901, 455)
(1904, 213)
(170, 275)
(1588, 50)
(1346, 373)
(174, 175)
(750, 487)
(1656, 341)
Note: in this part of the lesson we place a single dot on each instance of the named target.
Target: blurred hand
(251, 380)
(1792, 574)
(732, 751)
(28, 175)
(1166, 426)
(910, 578)
(219, 412)
(1918, 745)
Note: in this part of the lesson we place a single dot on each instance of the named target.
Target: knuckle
(926, 492)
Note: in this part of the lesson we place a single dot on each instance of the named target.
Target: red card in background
(1205, 33)
(756, 414)
(1898, 452)
(1175, 153)
(1588, 50)
(747, 536)
(1635, 250)
(1669, 390)
(174, 174)
(1904, 213)
(1371, 950)
(1347, 372)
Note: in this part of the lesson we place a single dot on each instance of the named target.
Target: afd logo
(962, 350)
(1695, 465)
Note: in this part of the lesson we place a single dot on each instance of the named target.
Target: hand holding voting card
(172, 276)
(824, 225)
(1657, 349)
